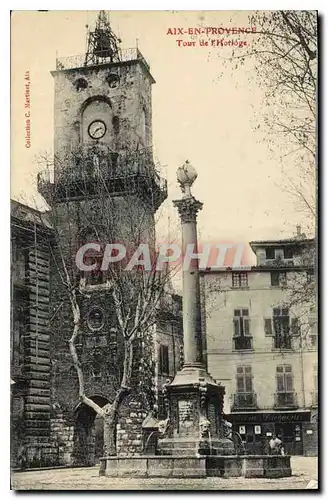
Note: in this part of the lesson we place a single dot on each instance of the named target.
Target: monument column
(194, 399)
(188, 208)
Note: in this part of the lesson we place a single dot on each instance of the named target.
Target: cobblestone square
(304, 470)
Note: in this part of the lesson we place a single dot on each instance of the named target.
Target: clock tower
(105, 186)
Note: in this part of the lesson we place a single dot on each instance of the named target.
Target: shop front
(257, 428)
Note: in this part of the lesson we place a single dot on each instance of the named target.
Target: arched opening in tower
(88, 434)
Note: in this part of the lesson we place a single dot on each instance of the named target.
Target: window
(282, 337)
(116, 124)
(244, 397)
(20, 261)
(278, 278)
(313, 332)
(244, 379)
(268, 326)
(19, 325)
(164, 360)
(96, 371)
(310, 275)
(242, 336)
(285, 386)
(239, 280)
(80, 84)
(295, 326)
(95, 319)
(288, 253)
(269, 253)
(315, 384)
(91, 257)
(113, 80)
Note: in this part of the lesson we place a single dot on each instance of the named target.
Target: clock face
(97, 129)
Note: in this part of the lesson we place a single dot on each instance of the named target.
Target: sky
(203, 111)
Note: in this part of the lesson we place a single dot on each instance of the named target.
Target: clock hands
(97, 129)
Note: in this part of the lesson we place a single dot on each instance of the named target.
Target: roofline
(27, 207)
(254, 269)
(289, 241)
(93, 67)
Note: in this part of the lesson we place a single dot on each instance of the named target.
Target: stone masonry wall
(62, 436)
(129, 430)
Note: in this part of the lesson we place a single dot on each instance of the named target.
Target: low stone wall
(203, 466)
(268, 466)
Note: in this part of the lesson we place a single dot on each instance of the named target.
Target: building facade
(262, 344)
(30, 358)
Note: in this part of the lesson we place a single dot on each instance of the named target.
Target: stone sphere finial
(186, 175)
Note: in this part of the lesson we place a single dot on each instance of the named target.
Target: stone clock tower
(105, 186)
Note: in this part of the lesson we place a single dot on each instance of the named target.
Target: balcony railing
(242, 343)
(79, 60)
(244, 401)
(99, 166)
(285, 400)
(282, 341)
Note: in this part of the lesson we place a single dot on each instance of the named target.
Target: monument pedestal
(194, 408)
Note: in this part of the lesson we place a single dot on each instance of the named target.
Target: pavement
(304, 474)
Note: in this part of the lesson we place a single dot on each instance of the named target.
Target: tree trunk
(110, 435)
(110, 412)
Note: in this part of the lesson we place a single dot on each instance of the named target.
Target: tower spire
(102, 43)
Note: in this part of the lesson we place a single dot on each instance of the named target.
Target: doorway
(291, 436)
(88, 434)
(252, 438)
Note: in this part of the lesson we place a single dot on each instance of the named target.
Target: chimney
(298, 231)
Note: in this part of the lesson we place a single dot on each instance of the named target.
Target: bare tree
(283, 49)
(133, 291)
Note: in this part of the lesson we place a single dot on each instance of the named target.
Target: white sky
(196, 115)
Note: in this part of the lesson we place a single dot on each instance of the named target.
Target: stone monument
(194, 400)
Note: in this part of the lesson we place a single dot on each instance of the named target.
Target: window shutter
(164, 359)
(282, 279)
(246, 327)
(268, 326)
(277, 325)
(280, 383)
(248, 383)
(313, 325)
(160, 360)
(285, 325)
(274, 278)
(240, 383)
(289, 382)
(236, 325)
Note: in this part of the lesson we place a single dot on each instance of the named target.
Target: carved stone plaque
(186, 416)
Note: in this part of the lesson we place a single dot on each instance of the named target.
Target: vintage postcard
(164, 327)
